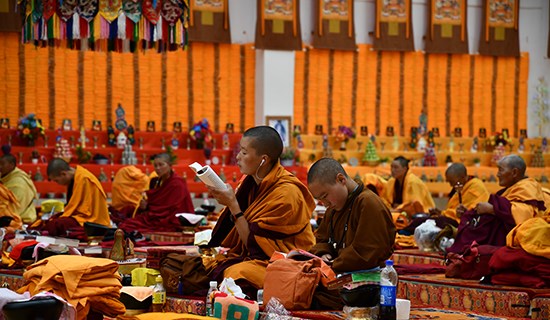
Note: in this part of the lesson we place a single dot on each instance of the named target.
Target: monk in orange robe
(270, 211)
(524, 194)
(405, 191)
(127, 189)
(86, 200)
(9, 208)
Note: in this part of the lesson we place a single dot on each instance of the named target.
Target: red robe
(163, 202)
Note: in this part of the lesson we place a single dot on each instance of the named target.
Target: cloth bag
(292, 282)
(183, 274)
(472, 264)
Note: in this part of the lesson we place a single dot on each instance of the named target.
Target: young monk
(357, 232)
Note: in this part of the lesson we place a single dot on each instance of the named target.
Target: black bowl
(208, 207)
(364, 296)
(97, 230)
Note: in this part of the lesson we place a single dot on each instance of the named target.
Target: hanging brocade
(37, 11)
(151, 10)
(172, 11)
(66, 9)
(49, 7)
(88, 9)
(132, 9)
(109, 9)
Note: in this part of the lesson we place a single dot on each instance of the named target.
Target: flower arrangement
(344, 134)
(201, 133)
(497, 139)
(541, 104)
(29, 128)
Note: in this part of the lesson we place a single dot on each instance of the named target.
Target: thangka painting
(335, 9)
(209, 5)
(394, 10)
(502, 13)
(334, 25)
(448, 11)
(278, 9)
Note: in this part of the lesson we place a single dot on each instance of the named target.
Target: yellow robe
(23, 189)
(414, 189)
(473, 192)
(527, 189)
(8, 207)
(533, 236)
(282, 205)
(88, 202)
(127, 187)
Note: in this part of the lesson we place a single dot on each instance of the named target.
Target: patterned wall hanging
(10, 19)
(448, 32)
(334, 28)
(209, 21)
(278, 25)
(393, 26)
(106, 25)
(500, 32)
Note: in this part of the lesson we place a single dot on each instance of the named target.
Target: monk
(357, 232)
(467, 191)
(167, 196)
(270, 211)
(127, 189)
(18, 182)
(405, 191)
(86, 200)
(524, 194)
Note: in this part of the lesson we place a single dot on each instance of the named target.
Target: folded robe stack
(86, 283)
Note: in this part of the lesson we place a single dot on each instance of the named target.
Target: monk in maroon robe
(167, 195)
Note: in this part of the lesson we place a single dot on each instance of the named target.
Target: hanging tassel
(177, 31)
(50, 27)
(97, 27)
(121, 21)
(69, 28)
(130, 26)
(76, 26)
(84, 30)
(158, 30)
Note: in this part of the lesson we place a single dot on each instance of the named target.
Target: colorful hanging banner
(66, 8)
(447, 27)
(278, 25)
(50, 8)
(151, 10)
(109, 9)
(172, 10)
(132, 9)
(393, 30)
(500, 25)
(209, 21)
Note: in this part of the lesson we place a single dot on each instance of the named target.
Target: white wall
(533, 39)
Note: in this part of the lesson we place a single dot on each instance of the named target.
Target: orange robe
(8, 207)
(279, 220)
(23, 188)
(127, 187)
(473, 192)
(533, 236)
(83, 281)
(88, 202)
(414, 189)
(525, 196)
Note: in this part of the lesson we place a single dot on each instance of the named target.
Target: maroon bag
(472, 264)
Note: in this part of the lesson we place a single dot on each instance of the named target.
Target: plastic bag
(425, 234)
(274, 310)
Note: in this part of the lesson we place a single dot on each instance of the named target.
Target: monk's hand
(225, 197)
(327, 257)
(143, 204)
(434, 212)
(460, 210)
(484, 208)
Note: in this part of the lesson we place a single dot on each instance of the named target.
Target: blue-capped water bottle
(388, 291)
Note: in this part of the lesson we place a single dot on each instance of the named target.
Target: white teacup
(403, 307)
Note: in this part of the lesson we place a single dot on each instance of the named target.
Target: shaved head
(514, 161)
(457, 170)
(265, 140)
(57, 166)
(9, 158)
(165, 157)
(325, 171)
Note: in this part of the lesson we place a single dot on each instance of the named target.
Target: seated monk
(9, 205)
(127, 189)
(167, 195)
(86, 200)
(357, 232)
(524, 194)
(270, 211)
(405, 191)
(19, 182)
(521, 199)
(467, 191)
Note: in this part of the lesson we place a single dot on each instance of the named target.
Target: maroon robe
(163, 202)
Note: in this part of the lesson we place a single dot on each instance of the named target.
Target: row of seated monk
(271, 209)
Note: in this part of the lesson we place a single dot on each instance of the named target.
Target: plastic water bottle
(210, 298)
(159, 295)
(388, 291)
